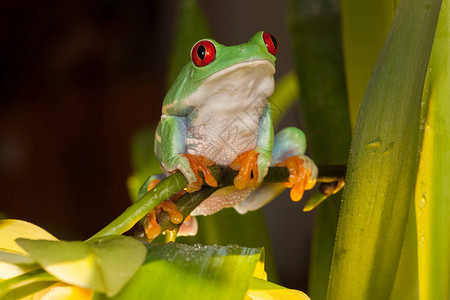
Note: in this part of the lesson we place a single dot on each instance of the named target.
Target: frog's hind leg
(288, 150)
(260, 197)
(189, 227)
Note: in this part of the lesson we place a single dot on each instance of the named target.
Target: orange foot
(300, 178)
(247, 165)
(199, 163)
(151, 226)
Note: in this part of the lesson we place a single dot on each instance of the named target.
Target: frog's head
(218, 71)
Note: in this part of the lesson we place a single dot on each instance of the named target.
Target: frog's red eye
(203, 53)
(271, 43)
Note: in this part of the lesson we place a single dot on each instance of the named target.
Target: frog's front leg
(253, 165)
(289, 151)
(171, 150)
(289, 148)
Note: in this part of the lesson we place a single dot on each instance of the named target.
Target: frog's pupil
(201, 51)
(274, 41)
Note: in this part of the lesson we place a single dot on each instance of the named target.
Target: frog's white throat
(242, 86)
(228, 108)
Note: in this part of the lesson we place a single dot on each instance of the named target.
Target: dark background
(78, 78)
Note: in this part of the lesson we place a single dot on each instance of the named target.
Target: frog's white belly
(222, 139)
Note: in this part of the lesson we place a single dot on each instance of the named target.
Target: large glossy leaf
(383, 160)
(432, 199)
(319, 65)
(365, 25)
(249, 230)
(103, 264)
(176, 271)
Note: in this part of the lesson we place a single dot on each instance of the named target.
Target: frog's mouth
(263, 64)
(237, 85)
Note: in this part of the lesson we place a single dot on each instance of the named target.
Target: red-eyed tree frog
(217, 112)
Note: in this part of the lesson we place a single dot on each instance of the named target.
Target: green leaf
(365, 25)
(25, 284)
(15, 258)
(191, 26)
(319, 66)
(143, 154)
(262, 289)
(143, 159)
(27, 290)
(406, 286)
(315, 200)
(320, 69)
(229, 227)
(287, 90)
(383, 160)
(432, 196)
(103, 264)
(175, 271)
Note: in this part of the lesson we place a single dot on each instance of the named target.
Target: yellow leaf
(10, 230)
(265, 290)
(259, 269)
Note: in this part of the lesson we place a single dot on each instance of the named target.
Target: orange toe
(175, 216)
(187, 218)
(199, 163)
(298, 176)
(151, 227)
(153, 183)
(247, 165)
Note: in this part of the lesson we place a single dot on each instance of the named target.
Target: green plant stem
(186, 204)
(166, 188)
